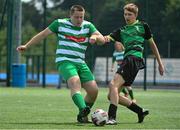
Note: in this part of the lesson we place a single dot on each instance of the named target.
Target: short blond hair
(132, 8)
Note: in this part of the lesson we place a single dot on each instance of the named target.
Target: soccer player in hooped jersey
(132, 36)
(74, 35)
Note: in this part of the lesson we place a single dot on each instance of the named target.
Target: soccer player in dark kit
(132, 36)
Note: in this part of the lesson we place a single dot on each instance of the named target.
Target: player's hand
(21, 48)
(161, 70)
(92, 40)
(106, 38)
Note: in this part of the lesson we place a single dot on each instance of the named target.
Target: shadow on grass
(46, 123)
(65, 123)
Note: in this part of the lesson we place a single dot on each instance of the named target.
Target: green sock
(79, 101)
(124, 91)
(131, 94)
(89, 104)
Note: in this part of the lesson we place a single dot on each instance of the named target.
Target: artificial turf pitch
(51, 108)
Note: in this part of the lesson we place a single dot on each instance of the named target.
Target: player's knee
(111, 84)
(95, 89)
(93, 92)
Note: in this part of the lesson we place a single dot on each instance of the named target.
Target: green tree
(3, 49)
(30, 14)
(170, 23)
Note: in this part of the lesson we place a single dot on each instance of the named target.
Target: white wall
(172, 71)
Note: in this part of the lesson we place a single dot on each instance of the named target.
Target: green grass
(49, 108)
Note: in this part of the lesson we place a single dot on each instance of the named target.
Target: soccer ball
(99, 117)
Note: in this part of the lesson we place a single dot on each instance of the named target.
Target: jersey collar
(134, 22)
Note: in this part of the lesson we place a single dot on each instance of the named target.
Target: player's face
(118, 47)
(77, 18)
(129, 17)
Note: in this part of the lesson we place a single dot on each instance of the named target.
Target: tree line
(163, 16)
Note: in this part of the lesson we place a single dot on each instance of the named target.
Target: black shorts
(129, 69)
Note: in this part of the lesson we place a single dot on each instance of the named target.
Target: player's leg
(114, 86)
(89, 84)
(131, 94)
(129, 73)
(90, 97)
(91, 92)
(75, 87)
(69, 71)
(133, 107)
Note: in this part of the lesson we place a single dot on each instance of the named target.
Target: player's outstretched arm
(36, 39)
(97, 38)
(157, 55)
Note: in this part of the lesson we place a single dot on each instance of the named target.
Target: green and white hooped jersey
(72, 40)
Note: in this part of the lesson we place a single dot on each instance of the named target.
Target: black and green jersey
(132, 37)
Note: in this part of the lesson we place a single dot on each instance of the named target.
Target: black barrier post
(10, 6)
(44, 49)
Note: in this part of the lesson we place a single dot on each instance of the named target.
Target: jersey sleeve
(148, 33)
(54, 26)
(92, 28)
(115, 35)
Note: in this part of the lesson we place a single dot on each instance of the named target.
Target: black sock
(135, 108)
(112, 111)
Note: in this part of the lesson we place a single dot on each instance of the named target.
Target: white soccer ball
(99, 117)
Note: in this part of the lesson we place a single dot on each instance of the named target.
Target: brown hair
(132, 8)
(76, 8)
